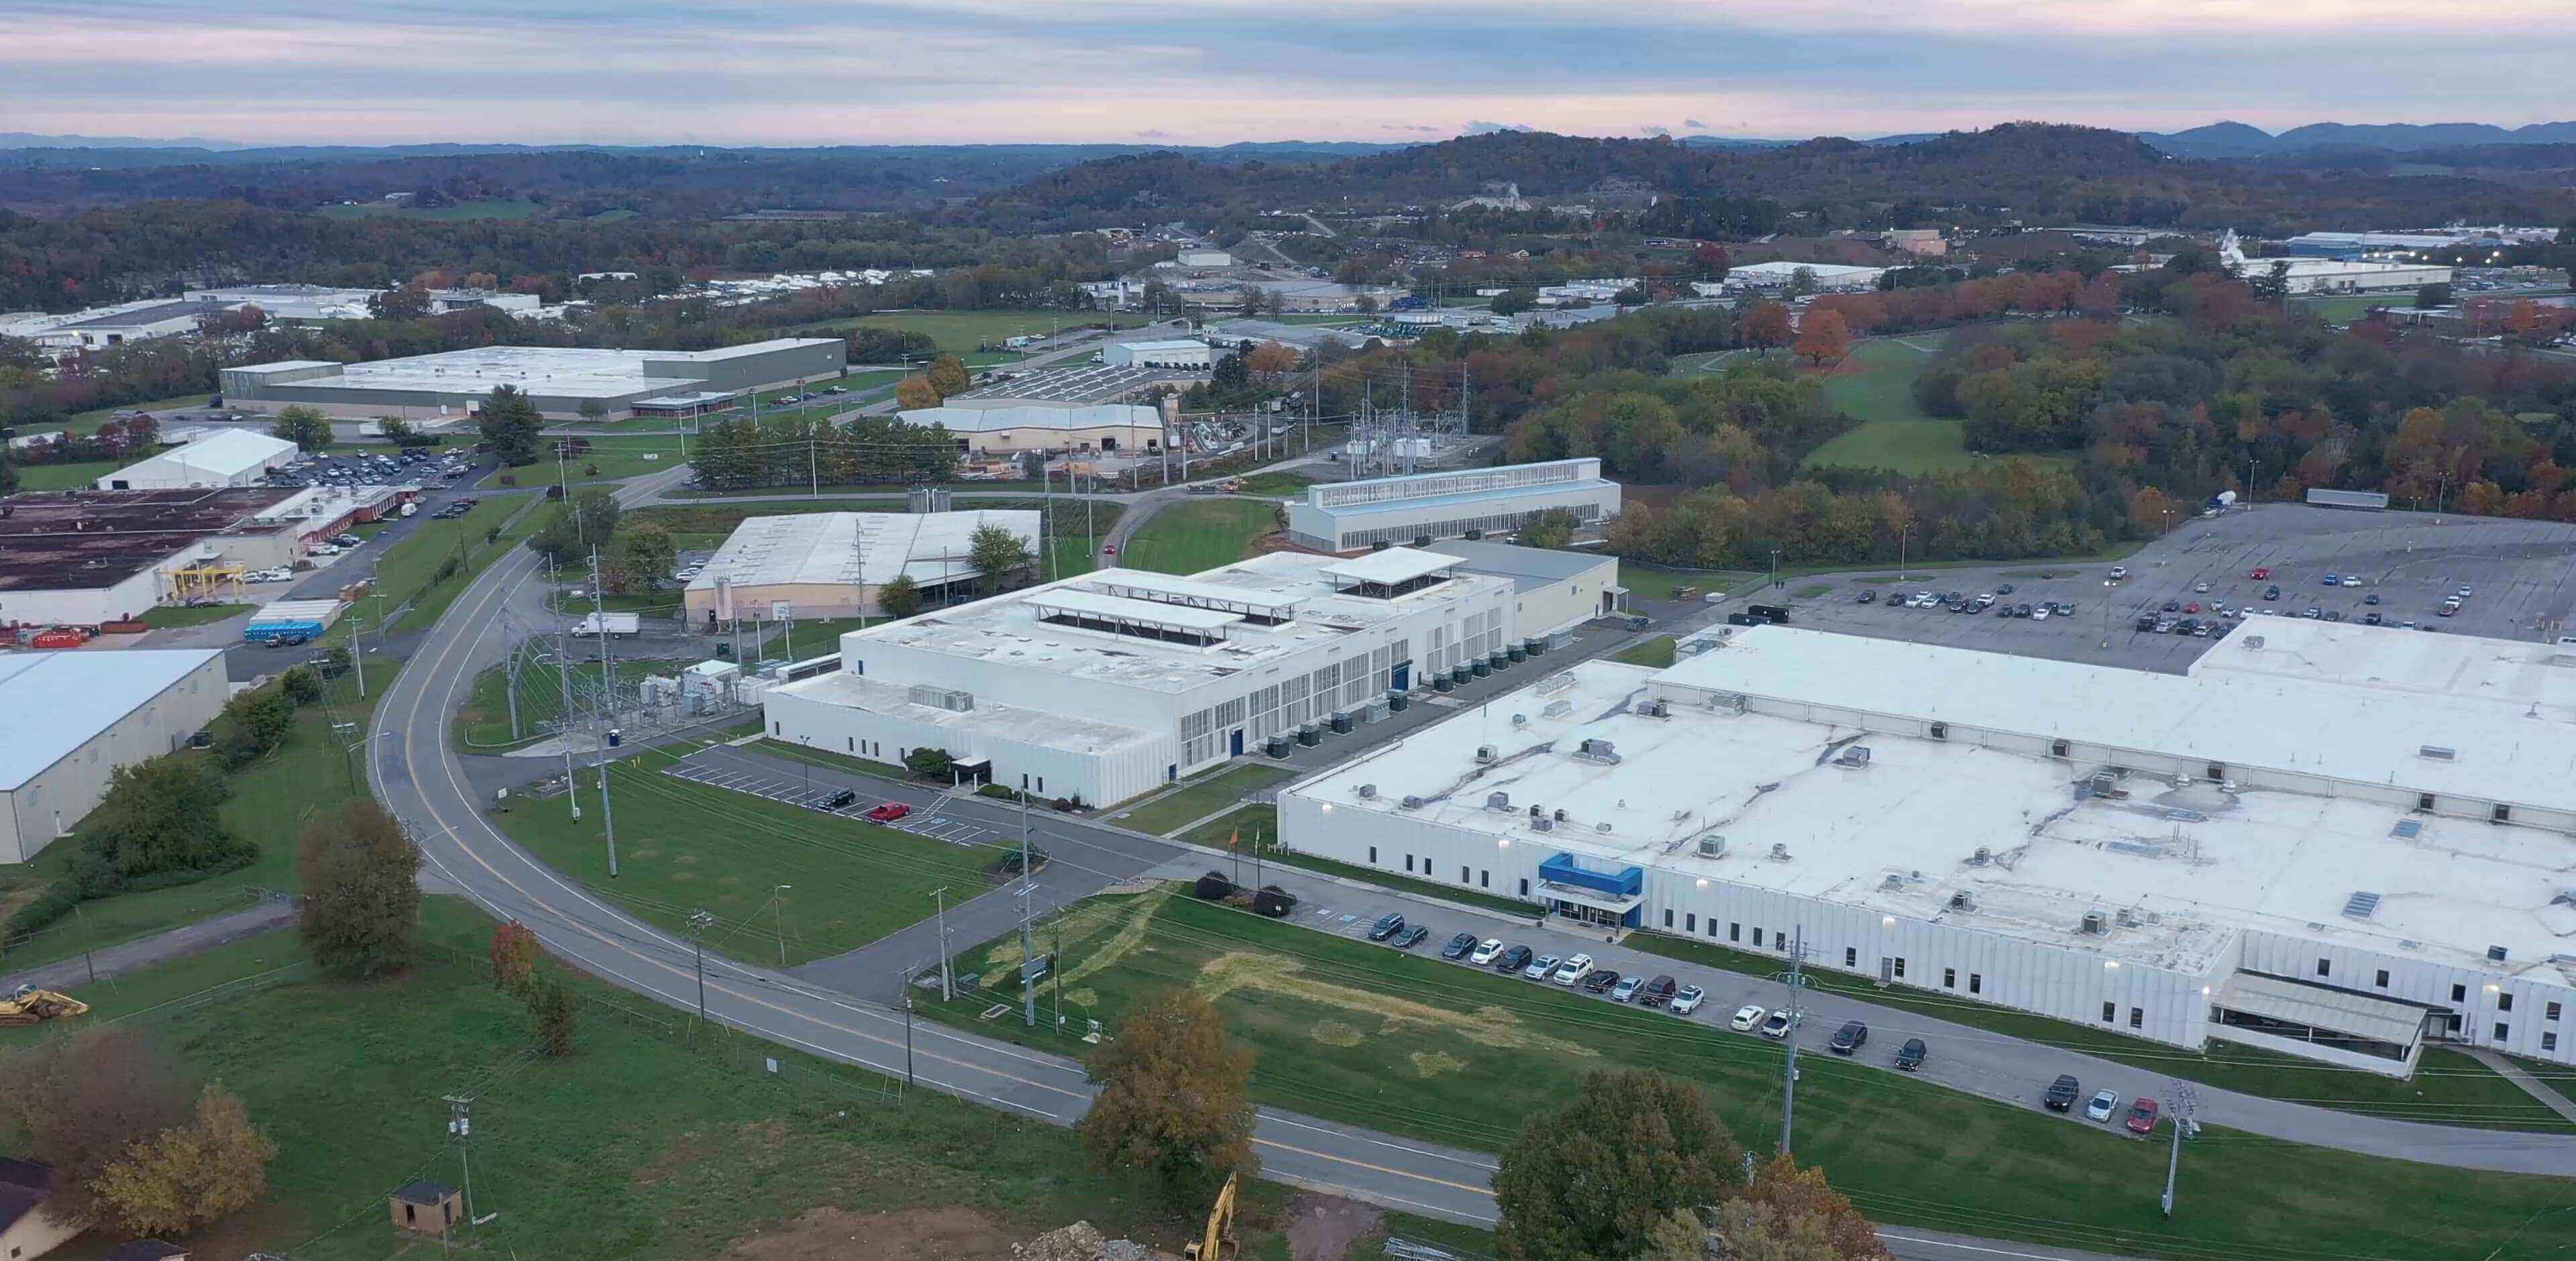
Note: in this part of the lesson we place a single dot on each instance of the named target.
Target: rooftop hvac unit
(1592, 750)
(1555, 683)
(1485, 754)
(2437, 753)
(1368, 792)
(955, 700)
(1982, 857)
(1601, 827)
(2253, 643)
(1963, 901)
(1659, 708)
(2096, 923)
(1779, 851)
(1410, 803)
(1854, 757)
(1520, 720)
(1498, 801)
(1712, 846)
(2128, 917)
(1559, 812)
(1538, 812)
(1542, 824)
(1557, 709)
(2495, 954)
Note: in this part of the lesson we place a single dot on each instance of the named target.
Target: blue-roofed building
(1463, 503)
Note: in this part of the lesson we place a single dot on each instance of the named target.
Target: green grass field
(683, 847)
(656, 1140)
(166, 616)
(1654, 654)
(1202, 534)
(1279, 485)
(2341, 310)
(408, 571)
(1876, 387)
(79, 475)
(962, 332)
(611, 459)
(1662, 584)
(494, 208)
(1201, 797)
(1363, 1034)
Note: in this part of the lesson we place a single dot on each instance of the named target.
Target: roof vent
(2096, 923)
(2407, 829)
(1982, 857)
(1854, 757)
(2438, 753)
(1559, 812)
(1542, 824)
(1712, 845)
(2360, 905)
(1557, 709)
(2495, 954)
(1485, 754)
(1659, 709)
(1963, 901)
(1520, 720)
(2127, 917)
(1368, 792)
(1409, 803)
(2253, 643)
(1601, 827)
(1597, 751)
(1779, 851)
(1498, 801)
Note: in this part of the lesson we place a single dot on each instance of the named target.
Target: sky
(798, 72)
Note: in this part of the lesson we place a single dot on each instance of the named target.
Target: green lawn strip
(655, 1139)
(610, 459)
(309, 773)
(1811, 591)
(2448, 1088)
(79, 475)
(1281, 485)
(167, 616)
(684, 847)
(485, 208)
(1644, 582)
(88, 422)
(1188, 537)
(1655, 653)
(838, 761)
(408, 571)
(1398, 1042)
(483, 721)
(963, 332)
(1201, 797)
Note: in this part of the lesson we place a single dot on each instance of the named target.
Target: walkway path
(90, 967)
(2532, 1086)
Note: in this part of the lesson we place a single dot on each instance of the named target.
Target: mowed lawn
(1202, 797)
(1396, 1041)
(1201, 534)
(1876, 386)
(964, 332)
(78, 475)
(683, 847)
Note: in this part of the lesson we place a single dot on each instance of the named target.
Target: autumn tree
(900, 597)
(552, 1010)
(1514, 301)
(79, 1103)
(513, 953)
(948, 375)
(306, 427)
(1649, 1136)
(1552, 528)
(188, 1175)
(1789, 1206)
(996, 552)
(361, 909)
(1271, 359)
(407, 302)
(1764, 326)
(1680, 1236)
(2150, 511)
(914, 393)
(1824, 335)
(1175, 1097)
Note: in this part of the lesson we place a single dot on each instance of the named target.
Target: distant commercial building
(293, 303)
(2354, 245)
(1551, 590)
(2327, 275)
(69, 719)
(1919, 242)
(559, 380)
(222, 457)
(101, 327)
(29, 1225)
(2366, 500)
(1173, 353)
(1114, 683)
(1820, 277)
(836, 564)
(1008, 428)
(1205, 258)
(1346, 516)
(80, 558)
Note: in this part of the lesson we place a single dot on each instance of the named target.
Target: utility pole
(358, 656)
(1028, 901)
(1797, 984)
(563, 681)
(778, 896)
(699, 923)
(460, 1126)
(2180, 1100)
(907, 1041)
(947, 988)
(598, 718)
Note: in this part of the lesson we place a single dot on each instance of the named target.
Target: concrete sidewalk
(90, 967)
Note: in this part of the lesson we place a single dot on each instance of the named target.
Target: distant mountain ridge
(2240, 140)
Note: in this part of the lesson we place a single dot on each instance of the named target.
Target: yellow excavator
(1218, 1243)
(34, 1006)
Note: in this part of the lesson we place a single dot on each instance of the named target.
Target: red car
(2142, 1117)
(2260, 572)
(889, 812)
(2192, 607)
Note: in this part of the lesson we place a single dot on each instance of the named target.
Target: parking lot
(2521, 577)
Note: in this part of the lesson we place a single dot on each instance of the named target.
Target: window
(1976, 983)
(1372, 855)
(2504, 1002)
(2325, 967)
(1940, 731)
(1900, 965)
(2057, 748)
(2459, 993)
(2137, 1017)
(1735, 932)
(1949, 978)
(1690, 923)
(2423, 801)
(1462, 873)
(1041, 783)
(1712, 928)
(2549, 1012)
(853, 743)
(2504, 1032)
(777, 728)
(1851, 957)
(2381, 979)
(2502, 813)
(2216, 771)
(1524, 886)
(1757, 936)
(2110, 1012)
(2549, 1042)
(1668, 917)
(1408, 862)
(1485, 880)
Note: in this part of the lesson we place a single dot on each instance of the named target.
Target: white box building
(2336, 841)
(836, 564)
(1346, 516)
(1111, 684)
(69, 719)
(1175, 353)
(1822, 277)
(224, 457)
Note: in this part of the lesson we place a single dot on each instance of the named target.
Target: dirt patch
(913, 1234)
(1276, 974)
(1335, 1033)
(1327, 1227)
(1434, 1063)
(677, 1157)
(1084, 922)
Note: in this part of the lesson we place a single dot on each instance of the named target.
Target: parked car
(1866, 597)
(1688, 1000)
(1626, 990)
(2259, 572)
(1746, 1019)
(1540, 967)
(2372, 598)
(1779, 1024)
(2173, 606)
(1512, 960)
(1574, 969)
(839, 800)
(1600, 981)
(2061, 1094)
(2200, 587)
(2005, 589)
(2333, 580)
(1851, 1037)
(889, 812)
(1459, 946)
(1411, 936)
(2371, 619)
(2145, 622)
(1385, 927)
(2041, 615)
(2105, 1102)
(1486, 951)
(1657, 992)
(2142, 1116)
(1910, 1056)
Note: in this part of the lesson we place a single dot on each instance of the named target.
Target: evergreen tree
(361, 912)
(510, 423)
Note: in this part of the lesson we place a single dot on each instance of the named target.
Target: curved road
(415, 770)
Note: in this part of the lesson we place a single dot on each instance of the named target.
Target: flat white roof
(222, 453)
(867, 548)
(1393, 565)
(2180, 871)
(52, 703)
(965, 416)
(556, 371)
(1042, 728)
(1129, 609)
(1170, 344)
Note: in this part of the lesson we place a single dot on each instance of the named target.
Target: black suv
(1910, 1056)
(1386, 926)
(1657, 992)
(1458, 946)
(2061, 1094)
(1513, 960)
(1600, 981)
(1849, 1038)
(1410, 937)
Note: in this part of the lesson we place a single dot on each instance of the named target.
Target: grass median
(1201, 797)
(416, 570)
(1185, 538)
(1367, 1035)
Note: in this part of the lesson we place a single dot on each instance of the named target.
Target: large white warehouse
(1347, 516)
(1108, 685)
(69, 719)
(837, 564)
(2336, 841)
(224, 457)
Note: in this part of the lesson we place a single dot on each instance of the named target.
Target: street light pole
(698, 925)
(779, 897)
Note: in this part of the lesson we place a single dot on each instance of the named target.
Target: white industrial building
(836, 564)
(1346, 516)
(1174, 353)
(222, 457)
(2332, 840)
(1111, 684)
(1552, 590)
(98, 328)
(1205, 258)
(1009, 426)
(69, 719)
(559, 380)
(1820, 277)
(2330, 275)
